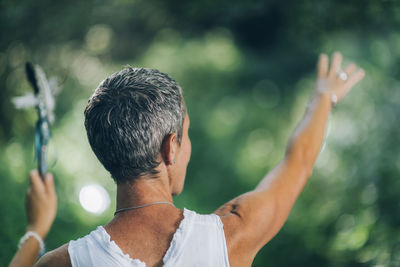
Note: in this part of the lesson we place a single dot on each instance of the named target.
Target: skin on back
(146, 234)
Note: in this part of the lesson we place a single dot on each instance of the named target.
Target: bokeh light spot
(94, 198)
(98, 38)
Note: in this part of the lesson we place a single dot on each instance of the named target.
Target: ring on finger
(342, 75)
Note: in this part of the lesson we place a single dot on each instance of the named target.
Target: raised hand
(41, 203)
(335, 80)
(41, 208)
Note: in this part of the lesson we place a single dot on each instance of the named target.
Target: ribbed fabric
(198, 241)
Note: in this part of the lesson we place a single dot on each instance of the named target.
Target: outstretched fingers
(355, 78)
(335, 65)
(323, 66)
(332, 78)
(350, 69)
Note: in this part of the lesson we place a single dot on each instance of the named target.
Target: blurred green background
(247, 70)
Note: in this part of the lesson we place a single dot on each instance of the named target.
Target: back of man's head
(128, 117)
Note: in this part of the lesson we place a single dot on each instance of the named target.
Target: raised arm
(41, 208)
(253, 219)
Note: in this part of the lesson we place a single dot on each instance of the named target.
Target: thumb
(49, 183)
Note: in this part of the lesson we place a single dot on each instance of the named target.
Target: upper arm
(254, 218)
(58, 257)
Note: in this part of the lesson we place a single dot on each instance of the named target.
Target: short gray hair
(128, 117)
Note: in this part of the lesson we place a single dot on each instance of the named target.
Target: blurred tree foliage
(247, 69)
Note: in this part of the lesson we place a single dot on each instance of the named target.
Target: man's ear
(169, 149)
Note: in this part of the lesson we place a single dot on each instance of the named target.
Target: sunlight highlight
(94, 198)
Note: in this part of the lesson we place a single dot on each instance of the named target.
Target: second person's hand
(41, 203)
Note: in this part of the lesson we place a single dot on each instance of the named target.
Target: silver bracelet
(27, 235)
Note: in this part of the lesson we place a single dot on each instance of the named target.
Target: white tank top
(198, 241)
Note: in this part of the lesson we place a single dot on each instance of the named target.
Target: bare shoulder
(236, 235)
(58, 257)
